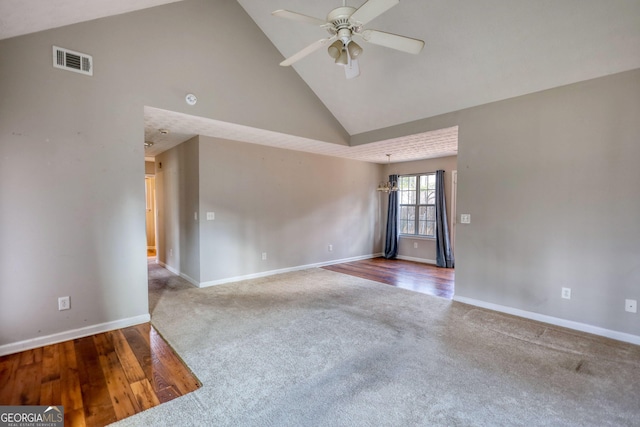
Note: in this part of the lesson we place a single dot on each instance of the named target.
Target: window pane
(431, 228)
(423, 213)
(431, 213)
(406, 183)
(431, 197)
(432, 182)
(422, 230)
(407, 219)
(423, 196)
(403, 197)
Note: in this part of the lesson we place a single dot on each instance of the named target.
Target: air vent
(72, 61)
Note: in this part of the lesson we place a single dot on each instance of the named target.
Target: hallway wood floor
(415, 276)
(98, 379)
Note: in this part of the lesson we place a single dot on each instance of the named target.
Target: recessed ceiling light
(164, 131)
(148, 144)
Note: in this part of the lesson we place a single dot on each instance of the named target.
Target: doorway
(150, 196)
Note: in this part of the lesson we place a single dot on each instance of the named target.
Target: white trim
(570, 324)
(168, 267)
(194, 282)
(454, 207)
(72, 334)
(422, 260)
(284, 270)
(189, 279)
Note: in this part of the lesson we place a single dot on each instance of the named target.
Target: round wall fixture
(191, 99)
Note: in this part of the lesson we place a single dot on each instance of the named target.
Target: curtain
(391, 241)
(444, 255)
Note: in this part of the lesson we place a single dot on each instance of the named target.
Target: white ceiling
(426, 145)
(476, 52)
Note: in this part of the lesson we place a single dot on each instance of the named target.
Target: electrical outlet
(631, 305)
(264, 256)
(330, 247)
(64, 303)
(211, 216)
(465, 219)
(566, 293)
(415, 245)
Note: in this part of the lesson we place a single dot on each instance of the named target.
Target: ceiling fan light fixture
(354, 49)
(335, 49)
(343, 59)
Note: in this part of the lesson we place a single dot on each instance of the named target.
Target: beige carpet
(318, 348)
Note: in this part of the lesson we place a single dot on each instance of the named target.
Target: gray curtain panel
(444, 254)
(391, 241)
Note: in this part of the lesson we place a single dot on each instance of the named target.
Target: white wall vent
(72, 61)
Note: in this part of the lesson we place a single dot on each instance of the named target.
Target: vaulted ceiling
(476, 52)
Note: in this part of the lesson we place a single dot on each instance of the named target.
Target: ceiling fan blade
(294, 16)
(372, 9)
(393, 41)
(352, 69)
(307, 50)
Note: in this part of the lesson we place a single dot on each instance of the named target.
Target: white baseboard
(422, 260)
(570, 324)
(193, 281)
(284, 270)
(72, 334)
(168, 267)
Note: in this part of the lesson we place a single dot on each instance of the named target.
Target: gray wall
(177, 187)
(551, 182)
(72, 170)
(289, 204)
(426, 250)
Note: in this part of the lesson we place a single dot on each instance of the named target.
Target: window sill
(414, 237)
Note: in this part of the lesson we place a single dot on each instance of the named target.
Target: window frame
(417, 205)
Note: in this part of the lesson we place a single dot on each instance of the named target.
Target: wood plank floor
(419, 277)
(98, 379)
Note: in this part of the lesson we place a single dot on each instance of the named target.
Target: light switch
(465, 219)
(211, 216)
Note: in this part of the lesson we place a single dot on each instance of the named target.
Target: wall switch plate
(566, 293)
(330, 248)
(631, 305)
(64, 303)
(465, 218)
(211, 216)
(415, 245)
(264, 256)
(195, 216)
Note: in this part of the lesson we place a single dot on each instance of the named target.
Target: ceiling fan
(343, 23)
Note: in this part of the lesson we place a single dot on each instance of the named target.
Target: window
(417, 205)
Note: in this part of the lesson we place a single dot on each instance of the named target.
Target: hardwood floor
(98, 379)
(419, 277)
